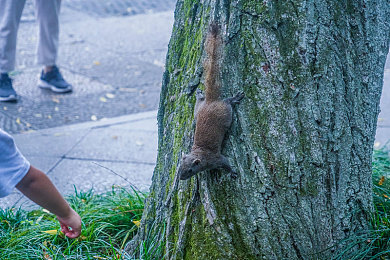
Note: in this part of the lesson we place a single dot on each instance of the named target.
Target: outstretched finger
(73, 233)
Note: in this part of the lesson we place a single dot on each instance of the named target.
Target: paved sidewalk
(119, 151)
(115, 64)
(383, 128)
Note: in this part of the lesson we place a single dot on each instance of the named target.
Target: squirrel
(213, 116)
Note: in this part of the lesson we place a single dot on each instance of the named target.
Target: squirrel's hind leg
(200, 98)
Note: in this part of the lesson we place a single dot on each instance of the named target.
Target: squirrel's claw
(237, 98)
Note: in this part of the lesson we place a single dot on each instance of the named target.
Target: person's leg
(48, 20)
(10, 14)
(47, 16)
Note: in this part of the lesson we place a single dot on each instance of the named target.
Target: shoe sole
(9, 98)
(45, 85)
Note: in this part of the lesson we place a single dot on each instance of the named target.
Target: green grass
(379, 242)
(374, 243)
(107, 226)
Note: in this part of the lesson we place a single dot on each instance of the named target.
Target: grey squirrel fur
(213, 116)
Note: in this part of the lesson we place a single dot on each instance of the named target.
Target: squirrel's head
(189, 166)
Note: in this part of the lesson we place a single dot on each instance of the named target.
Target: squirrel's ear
(196, 162)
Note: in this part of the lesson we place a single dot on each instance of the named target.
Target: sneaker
(54, 81)
(7, 92)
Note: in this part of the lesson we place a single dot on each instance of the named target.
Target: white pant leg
(47, 17)
(10, 13)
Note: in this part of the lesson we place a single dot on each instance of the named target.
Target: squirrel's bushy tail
(211, 65)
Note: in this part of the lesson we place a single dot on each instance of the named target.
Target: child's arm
(38, 187)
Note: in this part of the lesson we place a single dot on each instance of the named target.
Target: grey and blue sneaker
(7, 92)
(54, 81)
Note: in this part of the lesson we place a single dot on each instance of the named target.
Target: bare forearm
(38, 187)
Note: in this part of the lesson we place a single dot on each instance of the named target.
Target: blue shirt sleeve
(13, 165)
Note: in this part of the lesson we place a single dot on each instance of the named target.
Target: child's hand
(73, 221)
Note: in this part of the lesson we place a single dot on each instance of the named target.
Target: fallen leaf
(115, 137)
(137, 222)
(142, 105)
(38, 115)
(380, 119)
(96, 62)
(46, 211)
(377, 144)
(103, 99)
(28, 124)
(158, 63)
(18, 121)
(381, 181)
(82, 238)
(387, 197)
(51, 232)
(93, 118)
(56, 109)
(109, 95)
(49, 116)
(5, 108)
(55, 100)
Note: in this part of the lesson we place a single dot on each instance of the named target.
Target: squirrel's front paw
(239, 96)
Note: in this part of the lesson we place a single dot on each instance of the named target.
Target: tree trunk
(301, 139)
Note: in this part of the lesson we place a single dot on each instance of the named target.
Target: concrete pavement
(114, 62)
(383, 127)
(93, 155)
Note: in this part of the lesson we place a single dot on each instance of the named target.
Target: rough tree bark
(301, 140)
